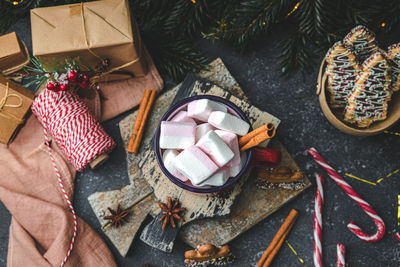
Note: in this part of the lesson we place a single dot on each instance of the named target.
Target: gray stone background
(293, 100)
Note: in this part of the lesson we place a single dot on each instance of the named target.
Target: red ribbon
(266, 157)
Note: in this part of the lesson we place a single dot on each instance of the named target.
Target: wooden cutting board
(197, 206)
(138, 194)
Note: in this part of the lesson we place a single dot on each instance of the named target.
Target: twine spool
(75, 130)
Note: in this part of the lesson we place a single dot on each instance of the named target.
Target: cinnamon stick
(261, 137)
(246, 138)
(143, 122)
(139, 118)
(278, 239)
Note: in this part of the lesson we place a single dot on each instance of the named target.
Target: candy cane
(340, 262)
(397, 235)
(351, 193)
(319, 203)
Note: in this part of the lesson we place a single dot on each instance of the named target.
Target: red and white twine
(319, 203)
(60, 182)
(340, 261)
(76, 132)
(353, 194)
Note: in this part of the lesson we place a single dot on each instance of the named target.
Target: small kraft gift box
(15, 103)
(13, 54)
(102, 34)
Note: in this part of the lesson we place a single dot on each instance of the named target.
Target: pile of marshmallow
(200, 145)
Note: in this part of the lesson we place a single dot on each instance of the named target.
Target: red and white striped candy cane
(319, 203)
(340, 261)
(351, 193)
(397, 235)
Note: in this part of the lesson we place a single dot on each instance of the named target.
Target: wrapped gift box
(13, 53)
(15, 102)
(92, 31)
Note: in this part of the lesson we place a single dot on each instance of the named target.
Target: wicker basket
(335, 115)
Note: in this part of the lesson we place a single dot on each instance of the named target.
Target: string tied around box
(3, 104)
(97, 77)
(77, 133)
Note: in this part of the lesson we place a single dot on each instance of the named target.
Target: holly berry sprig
(65, 81)
(58, 75)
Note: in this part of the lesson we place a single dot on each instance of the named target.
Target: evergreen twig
(170, 27)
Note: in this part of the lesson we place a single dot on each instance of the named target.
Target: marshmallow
(182, 116)
(168, 157)
(228, 122)
(202, 108)
(217, 179)
(195, 164)
(177, 135)
(232, 141)
(180, 176)
(215, 148)
(236, 169)
(202, 129)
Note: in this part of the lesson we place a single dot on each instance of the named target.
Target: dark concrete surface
(293, 100)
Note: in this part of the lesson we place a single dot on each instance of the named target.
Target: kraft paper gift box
(13, 53)
(15, 102)
(93, 32)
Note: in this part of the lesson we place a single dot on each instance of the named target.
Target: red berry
(64, 87)
(53, 86)
(84, 84)
(56, 87)
(72, 75)
(85, 77)
(50, 86)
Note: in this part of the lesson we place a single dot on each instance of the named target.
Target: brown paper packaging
(13, 53)
(91, 31)
(11, 118)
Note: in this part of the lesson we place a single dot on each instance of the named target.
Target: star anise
(117, 217)
(170, 212)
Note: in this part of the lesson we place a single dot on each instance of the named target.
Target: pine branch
(171, 26)
(175, 57)
(295, 55)
(315, 17)
(187, 17)
(249, 20)
(150, 12)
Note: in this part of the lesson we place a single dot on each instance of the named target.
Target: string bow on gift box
(3, 104)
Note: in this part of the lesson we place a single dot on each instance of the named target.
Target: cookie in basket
(361, 42)
(393, 55)
(368, 101)
(342, 70)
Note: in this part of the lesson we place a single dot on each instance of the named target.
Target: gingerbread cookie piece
(361, 42)
(368, 102)
(280, 177)
(208, 254)
(342, 70)
(393, 55)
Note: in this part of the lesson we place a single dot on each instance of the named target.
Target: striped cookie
(368, 102)
(393, 55)
(361, 42)
(342, 70)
